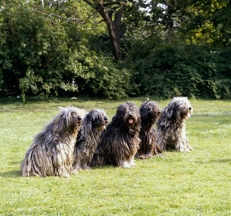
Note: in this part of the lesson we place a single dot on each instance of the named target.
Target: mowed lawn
(195, 183)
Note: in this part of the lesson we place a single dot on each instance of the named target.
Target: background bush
(183, 70)
(58, 50)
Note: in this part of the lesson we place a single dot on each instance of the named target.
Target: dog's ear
(117, 120)
(163, 120)
(88, 122)
(144, 112)
(169, 113)
(172, 112)
(61, 120)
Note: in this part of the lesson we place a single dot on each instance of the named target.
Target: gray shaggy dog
(88, 138)
(149, 113)
(120, 141)
(51, 153)
(171, 128)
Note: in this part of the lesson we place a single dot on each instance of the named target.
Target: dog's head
(149, 112)
(127, 116)
(178, 109)
(68, 120)
(96, 119)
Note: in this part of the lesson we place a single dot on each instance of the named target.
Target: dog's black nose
(190, 108)
(130, 115)
(105, 118)
(79, 118)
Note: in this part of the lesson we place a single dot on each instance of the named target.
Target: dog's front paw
(64, 175)
(184, 150)
(124, 164)
(132, 163)
(75, 171)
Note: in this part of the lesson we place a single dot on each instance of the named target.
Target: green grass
(195, 183)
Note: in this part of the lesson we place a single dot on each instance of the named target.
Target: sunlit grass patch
(195, 183)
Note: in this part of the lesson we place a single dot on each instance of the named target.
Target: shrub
(193, 71)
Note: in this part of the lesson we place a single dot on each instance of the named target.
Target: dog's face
(75, 118)
(149, 111)
(69, 119)
(186, 111)
(98, 119)
(181, 107)
(129, 114)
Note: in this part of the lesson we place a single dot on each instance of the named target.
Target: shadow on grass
(215, 161)
(10, 174)
(102, 167)
(221, 161)
(17, 173)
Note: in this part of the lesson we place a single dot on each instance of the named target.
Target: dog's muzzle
(130, 119)
(79, 119)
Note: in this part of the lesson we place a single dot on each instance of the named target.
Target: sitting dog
(88, 138)
(171, 132)
(120, 141)
(51, 153)
(149, 113)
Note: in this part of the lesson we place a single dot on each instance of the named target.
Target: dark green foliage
(97, 75)
(184, 71)
(63, 49)
(35, 53)
(43, 55)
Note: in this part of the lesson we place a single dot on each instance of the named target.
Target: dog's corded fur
(120, 141)
(171, 129)
(149, 113)
(88, 138)
(51, 153)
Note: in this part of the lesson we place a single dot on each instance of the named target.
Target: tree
(112, 12)
(198, 22)
(36, 49)
(57, 47)
(107, 11)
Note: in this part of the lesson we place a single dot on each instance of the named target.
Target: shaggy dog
(88, 138)
(51, 153)
(120, 141)
(171, 133)
(149, 113)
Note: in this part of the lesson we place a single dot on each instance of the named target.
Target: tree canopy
(115, 48)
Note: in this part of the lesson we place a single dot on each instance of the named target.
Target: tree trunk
(113, 27)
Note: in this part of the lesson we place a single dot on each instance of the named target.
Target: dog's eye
(73, 114)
